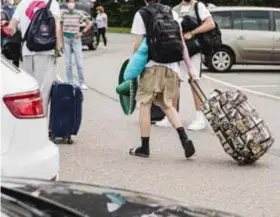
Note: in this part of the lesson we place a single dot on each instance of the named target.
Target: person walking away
(186, 7)
(159, 81)
(102, 25)
(70, 21)
(40, 64)
(9, 8)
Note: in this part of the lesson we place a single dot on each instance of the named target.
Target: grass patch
(119, 29)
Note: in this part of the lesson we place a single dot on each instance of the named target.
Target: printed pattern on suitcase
(240, 129)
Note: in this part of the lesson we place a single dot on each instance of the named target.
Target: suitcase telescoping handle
(197, 89)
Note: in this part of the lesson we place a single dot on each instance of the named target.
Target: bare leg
(145, 128)
(198, 123)
(145, 119)
(173, 116)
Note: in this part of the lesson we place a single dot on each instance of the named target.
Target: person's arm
(15, 21)
(88, 26)
(59, 34)
(55, 9)
(139, 30)
(206, 25)
(137, 42)
(105, 19)
(187, 60)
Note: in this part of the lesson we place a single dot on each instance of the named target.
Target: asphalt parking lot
(210, 179)
(262, 79)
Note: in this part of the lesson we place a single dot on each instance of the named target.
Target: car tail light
(25, 105)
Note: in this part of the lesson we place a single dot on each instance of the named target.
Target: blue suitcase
(65, 111)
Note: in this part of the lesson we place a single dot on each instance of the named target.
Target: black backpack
(163, 33)
(41, 32)
(210, 41)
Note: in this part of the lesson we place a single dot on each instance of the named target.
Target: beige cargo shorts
(158, 85)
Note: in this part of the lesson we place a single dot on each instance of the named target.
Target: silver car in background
(250, 35)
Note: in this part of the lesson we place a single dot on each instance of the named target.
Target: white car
(26, 150)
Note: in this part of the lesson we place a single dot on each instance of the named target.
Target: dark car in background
(29, 197)
(89, 38)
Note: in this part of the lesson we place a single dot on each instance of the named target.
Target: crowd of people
(159, 83)
(16, 18)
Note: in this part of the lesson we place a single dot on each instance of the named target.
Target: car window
(237, 19)
(256, 20)
(277, 21)
(223, 19)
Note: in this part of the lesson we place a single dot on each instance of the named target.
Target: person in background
(102, 25)
(186, 7)
(70, 21)
(4, 22)
(41, 65)
(9, 8)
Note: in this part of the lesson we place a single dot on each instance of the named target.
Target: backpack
(211, 40)
(163, 33)
(41, 32)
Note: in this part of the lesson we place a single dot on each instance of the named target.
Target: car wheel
(92, 46)
(221, 60)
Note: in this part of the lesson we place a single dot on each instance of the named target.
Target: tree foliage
(121, 12)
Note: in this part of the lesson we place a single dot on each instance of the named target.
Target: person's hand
(188, 35)
(79, 35)
(192, 76)
(4, 22)
(191, 73)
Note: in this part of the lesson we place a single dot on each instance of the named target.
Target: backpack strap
(197, 12)
(49, 4)
(27, 30)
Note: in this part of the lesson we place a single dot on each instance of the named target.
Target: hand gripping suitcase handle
(197, 89)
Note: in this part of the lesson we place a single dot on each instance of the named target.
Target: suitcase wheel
(68, 140)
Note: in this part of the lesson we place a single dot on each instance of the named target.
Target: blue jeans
(75, 45)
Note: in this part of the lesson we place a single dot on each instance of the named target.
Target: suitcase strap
(198, 91)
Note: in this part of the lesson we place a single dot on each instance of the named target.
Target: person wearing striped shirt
(70, 20)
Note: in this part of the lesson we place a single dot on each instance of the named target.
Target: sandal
(139, 152)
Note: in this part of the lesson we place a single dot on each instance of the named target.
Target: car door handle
(240, 38)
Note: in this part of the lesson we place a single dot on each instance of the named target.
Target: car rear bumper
(43, 164)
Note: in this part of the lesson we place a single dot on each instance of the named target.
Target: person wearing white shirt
(102, 25)
(160, 80)
(40, 65)
(186, 7)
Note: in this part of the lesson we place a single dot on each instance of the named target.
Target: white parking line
(260, 86)
(243, 89)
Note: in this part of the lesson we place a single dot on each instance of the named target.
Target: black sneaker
(139, 152)
(189, 148)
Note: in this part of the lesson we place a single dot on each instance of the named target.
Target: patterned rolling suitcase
(65, 111)
(238, 126)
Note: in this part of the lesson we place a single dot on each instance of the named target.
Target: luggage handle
(197, 89)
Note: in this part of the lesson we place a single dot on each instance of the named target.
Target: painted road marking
(244, 89)
(260, 86)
